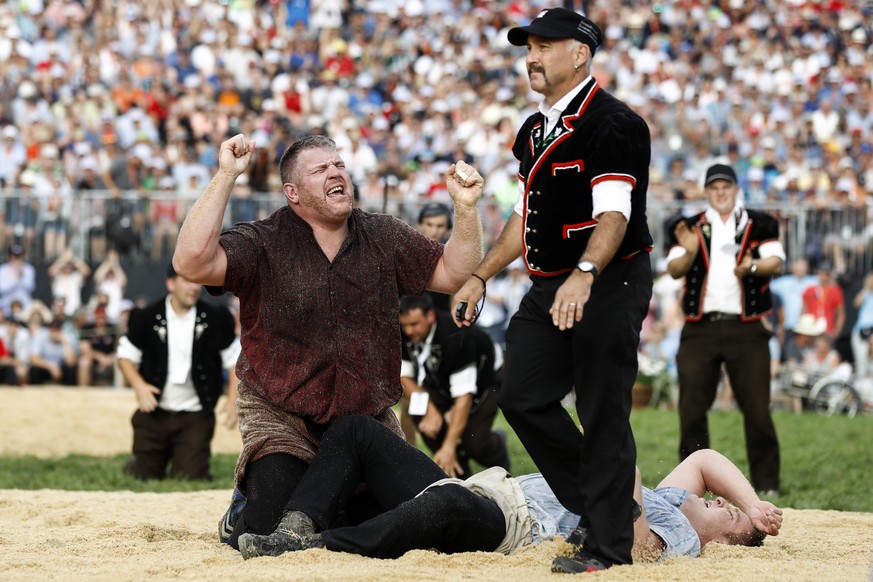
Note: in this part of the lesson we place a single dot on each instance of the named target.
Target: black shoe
(230, 517)
(297, 522)
(294, 533)
(579, 563)
(276, 544)
(577, 536)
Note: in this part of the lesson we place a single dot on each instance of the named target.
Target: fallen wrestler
(490, 511)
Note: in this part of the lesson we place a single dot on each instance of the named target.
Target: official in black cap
(720, 172)
(728, 254)
(580, 226)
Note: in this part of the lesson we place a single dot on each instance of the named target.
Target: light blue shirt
(549, 518)
(865, 313)
(665, 519)
(790, 290)
(16, 284)
(43, 346)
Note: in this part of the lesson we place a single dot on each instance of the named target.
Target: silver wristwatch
(588, 267)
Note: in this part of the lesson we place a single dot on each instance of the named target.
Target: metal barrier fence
(143, 228)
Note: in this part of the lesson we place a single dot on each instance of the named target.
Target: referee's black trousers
(591, 476)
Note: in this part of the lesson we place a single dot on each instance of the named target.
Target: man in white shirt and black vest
(450, 378)
(174, 356)
(728, 255)
(580, 226)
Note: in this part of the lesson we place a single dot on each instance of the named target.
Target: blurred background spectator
(17, 280)
(97, 344)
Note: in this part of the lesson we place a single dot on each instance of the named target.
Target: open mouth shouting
(338, 191)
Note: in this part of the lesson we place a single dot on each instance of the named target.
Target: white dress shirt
(723, 293)
(178, 393)
(461, 382)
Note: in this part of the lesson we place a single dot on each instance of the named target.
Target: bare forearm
(722, 477)
(69, 355)
(462, 252)
(131, 373)
(605, 239)
(409, 386)
(40, 362)
(197, 244)
(458, 416)
(647, 545)
(82, 266)
(232, 385)
(506, 249)
(680, 266)
(768, 267)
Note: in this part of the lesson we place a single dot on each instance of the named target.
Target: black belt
(720, 316)
(178, 412)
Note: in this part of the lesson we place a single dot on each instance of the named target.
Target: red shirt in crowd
(824, 302)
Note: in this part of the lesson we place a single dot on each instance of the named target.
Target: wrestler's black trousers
(356, 450)
(598, 357)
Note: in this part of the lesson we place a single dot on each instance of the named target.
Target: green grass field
(826, 461)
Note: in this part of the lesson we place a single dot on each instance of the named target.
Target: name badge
(418, 403)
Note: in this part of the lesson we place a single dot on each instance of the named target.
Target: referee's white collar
(562, 103)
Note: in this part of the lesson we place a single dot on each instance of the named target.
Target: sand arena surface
(119, 536)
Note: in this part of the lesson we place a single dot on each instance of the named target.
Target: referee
(580, 225)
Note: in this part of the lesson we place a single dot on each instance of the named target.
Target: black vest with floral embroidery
(598, 138)
(213, 332)
(756, 301)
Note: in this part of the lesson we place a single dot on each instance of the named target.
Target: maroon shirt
(322, 339)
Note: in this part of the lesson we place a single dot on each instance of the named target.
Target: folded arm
(709, 471)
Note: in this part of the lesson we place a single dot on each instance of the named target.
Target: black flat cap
(558, 23)
(720, 172)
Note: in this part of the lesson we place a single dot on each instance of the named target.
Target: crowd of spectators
(68, 341)
(111, 112)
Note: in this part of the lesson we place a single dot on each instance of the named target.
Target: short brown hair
(412, 302)
(288, 163)
(751, 539)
